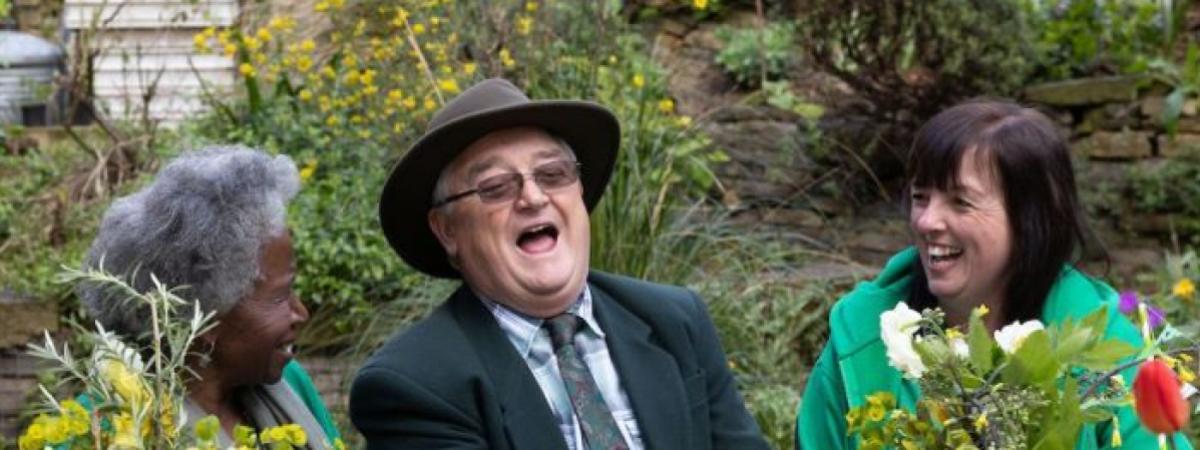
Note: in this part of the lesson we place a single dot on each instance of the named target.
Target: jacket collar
(649, 375)
(527, 417)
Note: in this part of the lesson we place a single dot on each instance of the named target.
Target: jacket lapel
(649, 375)
(527, 417)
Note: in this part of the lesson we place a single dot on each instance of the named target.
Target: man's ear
(444, 230)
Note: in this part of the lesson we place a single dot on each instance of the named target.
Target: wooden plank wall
(147, 44)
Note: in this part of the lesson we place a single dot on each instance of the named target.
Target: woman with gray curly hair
(213, 225)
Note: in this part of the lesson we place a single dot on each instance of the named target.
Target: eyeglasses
(507, 186)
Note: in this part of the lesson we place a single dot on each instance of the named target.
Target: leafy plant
(1085, 37)
(1170, 189)
(755, 55)
(1026, 386)
(912, 58)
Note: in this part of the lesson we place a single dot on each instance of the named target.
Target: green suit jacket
(453, 381)
(854, 363)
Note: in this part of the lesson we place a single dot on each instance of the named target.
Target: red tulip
(1160, 406)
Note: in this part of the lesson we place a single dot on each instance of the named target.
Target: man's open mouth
(538, 238)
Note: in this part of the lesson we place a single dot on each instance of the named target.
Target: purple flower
(1129, 302)
(1156, 316)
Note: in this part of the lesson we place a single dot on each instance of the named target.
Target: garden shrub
(755, 55)
(1172, 189)
(912, 58)
(1086, 37)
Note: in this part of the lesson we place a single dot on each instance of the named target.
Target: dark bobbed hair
(1030, 160)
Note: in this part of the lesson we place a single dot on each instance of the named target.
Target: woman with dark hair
(212, 225)
(996, 221)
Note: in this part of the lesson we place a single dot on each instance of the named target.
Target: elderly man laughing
(534, 351)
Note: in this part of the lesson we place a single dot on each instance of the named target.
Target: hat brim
(590, 129)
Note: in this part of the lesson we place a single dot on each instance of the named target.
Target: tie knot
(562, 328)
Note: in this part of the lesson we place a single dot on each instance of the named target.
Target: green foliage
(918, 56)
(771, 328)
(1083, 37)
(43, 224)
(754, 55)
(1171, 189)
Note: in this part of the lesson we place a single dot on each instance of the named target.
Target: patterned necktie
(599, 429)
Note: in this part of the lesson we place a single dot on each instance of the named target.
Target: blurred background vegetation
(761, 149)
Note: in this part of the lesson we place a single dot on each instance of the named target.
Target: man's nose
(532, 195)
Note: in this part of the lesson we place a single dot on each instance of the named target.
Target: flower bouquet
(133, 397)
(1026, 386)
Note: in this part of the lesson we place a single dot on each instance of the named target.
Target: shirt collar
(522, 329)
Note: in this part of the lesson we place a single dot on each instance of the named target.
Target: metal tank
(27, 68)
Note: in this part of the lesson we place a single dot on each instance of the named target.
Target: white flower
(1012, 335)
(896, 328)
(960, 348)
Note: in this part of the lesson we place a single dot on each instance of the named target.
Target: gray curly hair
(198, 226)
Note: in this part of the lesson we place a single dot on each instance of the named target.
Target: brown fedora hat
(490, 105)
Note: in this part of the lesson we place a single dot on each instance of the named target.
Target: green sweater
(299, 380)
(854, 362)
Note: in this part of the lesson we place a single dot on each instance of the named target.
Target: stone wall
(1116, 128)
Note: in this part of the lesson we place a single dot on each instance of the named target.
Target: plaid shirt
(533, 344)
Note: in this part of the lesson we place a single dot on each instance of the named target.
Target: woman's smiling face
(964, 235)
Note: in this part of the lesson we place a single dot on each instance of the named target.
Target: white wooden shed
(148, 45)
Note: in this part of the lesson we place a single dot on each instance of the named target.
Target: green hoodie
(854, 363)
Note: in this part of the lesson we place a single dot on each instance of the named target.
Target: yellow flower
(1186, 375)
(252, 43)
(264, 35)
(981, 422)
(230, 49)
(129, 385)
(449, 85)
(666, 105)
(410, 103)
(308, 45)
(394, 96)
(352, 78)
(700, 4)
(1184, 288)
(982, 310)
(524, 25)
(531, 6)
(306, 172)
(337, 4)
(126, 436)
(469, 68)
(506, 58)
(333, 121)
(77, 419)
(34, 437)
(368, 77)
(876, 413)
(296, 434)
(304, 63)
(430, 105)
(304, 95)
(201, 43)
(246, 70)
(639, 81)
(418, 29)
(321, 6)
(684, 121)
